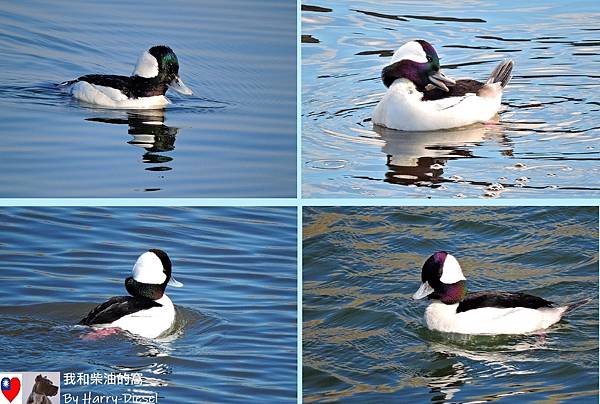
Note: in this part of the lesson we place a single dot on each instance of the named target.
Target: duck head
(418, 62)
(442, 279)
(150, 275)
(160, 63)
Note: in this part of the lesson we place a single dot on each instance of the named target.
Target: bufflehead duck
(148, 311)
(156, 71)
(421, 98)
(453, 310)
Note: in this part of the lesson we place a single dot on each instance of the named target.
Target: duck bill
(440, 80)
(424, 291)
(177, 85)
(174, 282)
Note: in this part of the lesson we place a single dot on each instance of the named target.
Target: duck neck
(450, 293)
(147, 290)
(148, 87)
(405, 69)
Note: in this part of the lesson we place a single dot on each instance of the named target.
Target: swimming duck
(455, 310)
(156, 70)
(421, 98)
(148, 312)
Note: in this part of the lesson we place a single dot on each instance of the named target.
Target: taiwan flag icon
(10, 385)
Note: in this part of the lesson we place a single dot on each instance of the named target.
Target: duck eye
(429, 59)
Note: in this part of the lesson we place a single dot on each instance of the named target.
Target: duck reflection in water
(419, 158)
(150, 133)
(463, 358)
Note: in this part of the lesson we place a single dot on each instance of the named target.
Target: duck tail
(576, 305)
(501, 74)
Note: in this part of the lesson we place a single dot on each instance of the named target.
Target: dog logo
(42, 389)
(11, 387)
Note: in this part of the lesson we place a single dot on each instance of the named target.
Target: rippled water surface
(235, 137)
(546, 143)
(235, 334)
(364, 338)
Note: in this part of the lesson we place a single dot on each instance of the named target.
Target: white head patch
(149, 269)
(147, 66)
(411, 51)
(451, 271)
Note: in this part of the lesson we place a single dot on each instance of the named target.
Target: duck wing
(502, 74)
(117, 307)
(121, 83)
(460, 89)
(503, 300)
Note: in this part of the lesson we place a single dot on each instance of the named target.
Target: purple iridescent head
(442, 279)
(418, 62)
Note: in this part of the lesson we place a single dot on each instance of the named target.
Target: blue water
(364, 338)
(235, 137)
(546, 143)
(235, 336)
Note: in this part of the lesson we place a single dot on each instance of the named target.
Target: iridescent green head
(160, 66)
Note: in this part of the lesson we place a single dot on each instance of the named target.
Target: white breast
(149, 323)
(401, 108)
(490, 320)
(113, 98)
